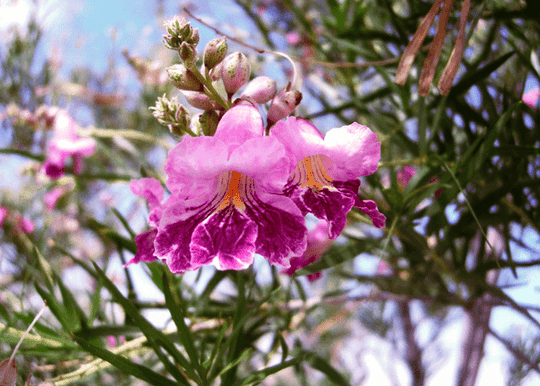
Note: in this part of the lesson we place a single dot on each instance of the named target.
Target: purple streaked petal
(226, 239)
(282, 230)
(239, 124)
(330, 204)
(145, 247)
(172, 244)
(370, 208)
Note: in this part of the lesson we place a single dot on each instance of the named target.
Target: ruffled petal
(150, 189)
(145, 247)
(226, 239)
(264, 160)
(196, 162)
(282, 230)
(354, 150)
(300, 138)
(239, 124)
(370, 208)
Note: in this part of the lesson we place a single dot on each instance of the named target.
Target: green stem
(210, 91)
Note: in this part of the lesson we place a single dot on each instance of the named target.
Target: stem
(210, 91)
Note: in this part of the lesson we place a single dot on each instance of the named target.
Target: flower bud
(235, 72)
(215, 52)
(209, 121)
(283, 104)
(200, 100)
(165, 110)
(183, 78)
(215, 73)
(179, 32)
(188, 53)
(261, 89)
(182, 119)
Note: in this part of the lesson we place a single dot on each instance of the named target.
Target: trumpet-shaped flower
(324, 177)
(226, 201)
(65, 144)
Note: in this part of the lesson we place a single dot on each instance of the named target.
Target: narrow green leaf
(473, 77)
(264, 373)
(126, 365)
(235, 362)
(56, 308)
(177, 313)
(320, 364)
(45, 269)
(124, 222)
(153, 335)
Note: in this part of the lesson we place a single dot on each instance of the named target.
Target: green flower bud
(215, 52)
(183, 78)
(183, 119)
(188, 53)
(235, 72)
(165, 110)
(209, 121)
(179, 32)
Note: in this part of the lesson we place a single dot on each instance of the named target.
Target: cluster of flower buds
(213, 86)
(42, 118)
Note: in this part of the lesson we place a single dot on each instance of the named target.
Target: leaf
(473, 77)
(320, 364)
(126, 365)
(262, 374)
(154, 336)
(177, 313)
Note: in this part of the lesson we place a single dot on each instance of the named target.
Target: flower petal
(354, 150)
(282, 230)
(145, 247)
(195, 162)
(227, 239)
(239, 124)
(370, 208)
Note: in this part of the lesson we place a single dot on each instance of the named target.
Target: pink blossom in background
(531, 97)
(65, 144)
(25, 225)
(317, 243)
(293, 38)
(324, 177)
(3, 215)
(54, 195)
(404, 175)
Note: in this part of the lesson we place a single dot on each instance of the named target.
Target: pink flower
(25, 225)
(54, 195)
(404, 175)
(22, 224)
(317, 243)
(324, 176)
(531, 98)
(293, 38)
(65, 144)
(226, 201)
(3, 215)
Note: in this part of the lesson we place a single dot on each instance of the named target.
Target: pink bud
(283, 104)
(531, 98)
(261, 89)
(235, 72)
(200, 100)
